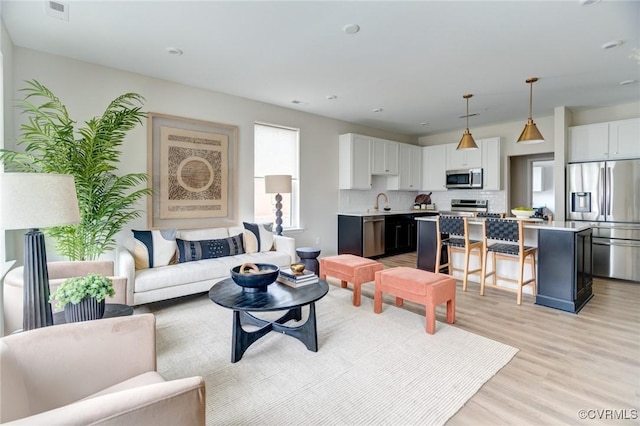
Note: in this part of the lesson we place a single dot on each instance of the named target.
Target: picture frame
(192, 170)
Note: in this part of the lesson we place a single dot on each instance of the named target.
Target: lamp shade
(467, 142)
(37, 200)
(530, 134)
(277, 184)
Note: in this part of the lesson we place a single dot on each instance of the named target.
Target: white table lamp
(32, 201)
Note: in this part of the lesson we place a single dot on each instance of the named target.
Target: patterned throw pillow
(154, 248)
(258, 237)
(209, 249)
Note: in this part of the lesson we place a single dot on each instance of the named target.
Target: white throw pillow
(154, 248)
(258, 237)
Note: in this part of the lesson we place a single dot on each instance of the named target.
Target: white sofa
(181, 279)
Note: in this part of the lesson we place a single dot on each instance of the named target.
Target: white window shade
(276, 156)
(276, 151)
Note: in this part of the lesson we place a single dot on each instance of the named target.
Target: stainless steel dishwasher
(372, 236)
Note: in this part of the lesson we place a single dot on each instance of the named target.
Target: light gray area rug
(369, 369)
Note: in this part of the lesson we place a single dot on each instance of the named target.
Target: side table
(111, 310)
(309, 256)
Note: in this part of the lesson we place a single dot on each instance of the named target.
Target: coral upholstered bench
(418, 286)
(350, 268)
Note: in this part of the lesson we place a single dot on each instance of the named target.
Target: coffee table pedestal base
(242, 339)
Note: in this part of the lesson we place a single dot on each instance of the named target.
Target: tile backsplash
(359, 201)
(497, 199)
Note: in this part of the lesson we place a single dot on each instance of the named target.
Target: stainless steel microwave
(464, 179)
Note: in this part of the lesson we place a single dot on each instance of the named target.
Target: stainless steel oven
(464, 179)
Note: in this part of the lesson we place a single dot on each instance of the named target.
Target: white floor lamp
(32, 201)
(278, 184)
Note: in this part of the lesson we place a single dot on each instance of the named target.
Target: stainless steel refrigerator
(607, 193)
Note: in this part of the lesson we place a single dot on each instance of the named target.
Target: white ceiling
(413, 59)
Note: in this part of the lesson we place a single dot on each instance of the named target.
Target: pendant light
(467, 141)
(530, 134)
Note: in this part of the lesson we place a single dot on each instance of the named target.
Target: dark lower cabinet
(400, 233)
(565, 275)
(350, 235)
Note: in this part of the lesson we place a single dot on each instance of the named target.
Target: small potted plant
(83, 298)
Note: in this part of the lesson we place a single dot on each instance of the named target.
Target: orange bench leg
(431, 319)
(451, 311)
(377, 301)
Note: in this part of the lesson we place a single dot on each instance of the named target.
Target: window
(275, 152)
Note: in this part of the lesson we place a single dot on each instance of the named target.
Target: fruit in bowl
(522, 212)
(254, 277)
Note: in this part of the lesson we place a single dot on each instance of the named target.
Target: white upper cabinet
(605, 141)
(463, 159)
(589, 142)
(434, 168)
(354, 161)
(624, 139)
(491, 163)
(384, 157)
(409, 169)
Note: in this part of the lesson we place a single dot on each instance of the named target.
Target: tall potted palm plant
(107, 201)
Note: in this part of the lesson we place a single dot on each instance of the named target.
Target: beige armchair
(58, 273)
(93, 372)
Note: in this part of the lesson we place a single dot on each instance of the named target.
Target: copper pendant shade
(467, 141)
(530, 134)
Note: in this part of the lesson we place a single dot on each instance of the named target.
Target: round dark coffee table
(111, 310)
(278, 297)
(309, 256)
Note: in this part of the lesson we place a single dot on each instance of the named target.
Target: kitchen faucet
(386, 200)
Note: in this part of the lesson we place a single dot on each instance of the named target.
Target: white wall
(600, 115)
(6, 129)
(86, 89)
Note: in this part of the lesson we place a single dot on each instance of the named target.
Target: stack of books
(293, 279)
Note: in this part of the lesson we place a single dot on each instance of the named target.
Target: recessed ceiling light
(351, 28)
(612, 44)
(174, 51)
(627, 82)
(377, 110)
(332, 97)
(424, 123)
(589, 2)
(298, 102)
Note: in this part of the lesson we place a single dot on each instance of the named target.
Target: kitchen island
(564, 261)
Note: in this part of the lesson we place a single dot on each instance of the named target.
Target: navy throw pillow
(209, 249)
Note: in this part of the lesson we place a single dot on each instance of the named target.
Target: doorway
(531, 182)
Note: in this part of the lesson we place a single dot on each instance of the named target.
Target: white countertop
(535, 224)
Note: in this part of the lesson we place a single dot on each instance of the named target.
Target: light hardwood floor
(566, 362)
